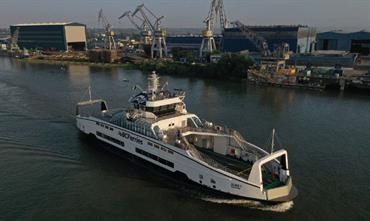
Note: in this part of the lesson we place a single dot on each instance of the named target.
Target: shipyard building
(50, 36)
(301, 39)
(354, 42)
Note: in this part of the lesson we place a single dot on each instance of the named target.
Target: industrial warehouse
(50, 36)
(354, 42)
(300, 39)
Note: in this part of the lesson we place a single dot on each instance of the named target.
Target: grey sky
(191, 13)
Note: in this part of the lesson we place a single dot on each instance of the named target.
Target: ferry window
(156, 146)
(164, 149)
(111, 129)
(213, 181)
(170, 164)
(150, 144)
(170, 151)
(162, 161)
(114, 140)
(154, 157)
(200, 176)
(139, 151)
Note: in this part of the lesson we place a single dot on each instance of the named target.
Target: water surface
(49, 172)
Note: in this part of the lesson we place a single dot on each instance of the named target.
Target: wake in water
(11, 147)
(194, 191)
(281, 207)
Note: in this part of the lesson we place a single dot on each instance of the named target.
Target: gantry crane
(159, 47)
(208, 42)
(144, 28)
(109, 34)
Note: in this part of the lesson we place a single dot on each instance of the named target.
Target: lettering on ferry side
(129, 137)
(236, 186)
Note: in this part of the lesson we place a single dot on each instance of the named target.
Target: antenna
(273, 140)
(90, 92)
(164, 85)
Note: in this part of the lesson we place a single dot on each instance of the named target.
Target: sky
(330, 14)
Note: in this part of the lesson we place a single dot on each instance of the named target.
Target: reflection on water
(79, 75)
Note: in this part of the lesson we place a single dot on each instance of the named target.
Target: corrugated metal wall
(340, 41)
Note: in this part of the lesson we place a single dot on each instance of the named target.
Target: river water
(49, 172)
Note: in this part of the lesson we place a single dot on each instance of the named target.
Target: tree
(233, 66)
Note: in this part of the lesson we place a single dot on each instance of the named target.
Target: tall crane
(159, 47)
(208, 42)
(144, 28)
(109, 34)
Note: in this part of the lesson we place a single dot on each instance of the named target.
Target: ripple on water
(17, 150)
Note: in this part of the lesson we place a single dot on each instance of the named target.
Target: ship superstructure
(158, 128)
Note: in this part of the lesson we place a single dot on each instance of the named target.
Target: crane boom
(130, 18)
(109, 34)
(145, 30)
(144, 16)
(259, 41)
(150, 30)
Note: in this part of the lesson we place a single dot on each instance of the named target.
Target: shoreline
(128, 66)
(210, 71)
(184, 70)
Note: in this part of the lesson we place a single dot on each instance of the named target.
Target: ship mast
(153, 84)
(90, 92)
(273, 140)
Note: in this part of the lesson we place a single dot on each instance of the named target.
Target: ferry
(156, 127)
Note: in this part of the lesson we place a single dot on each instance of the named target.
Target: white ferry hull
(174, 159)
